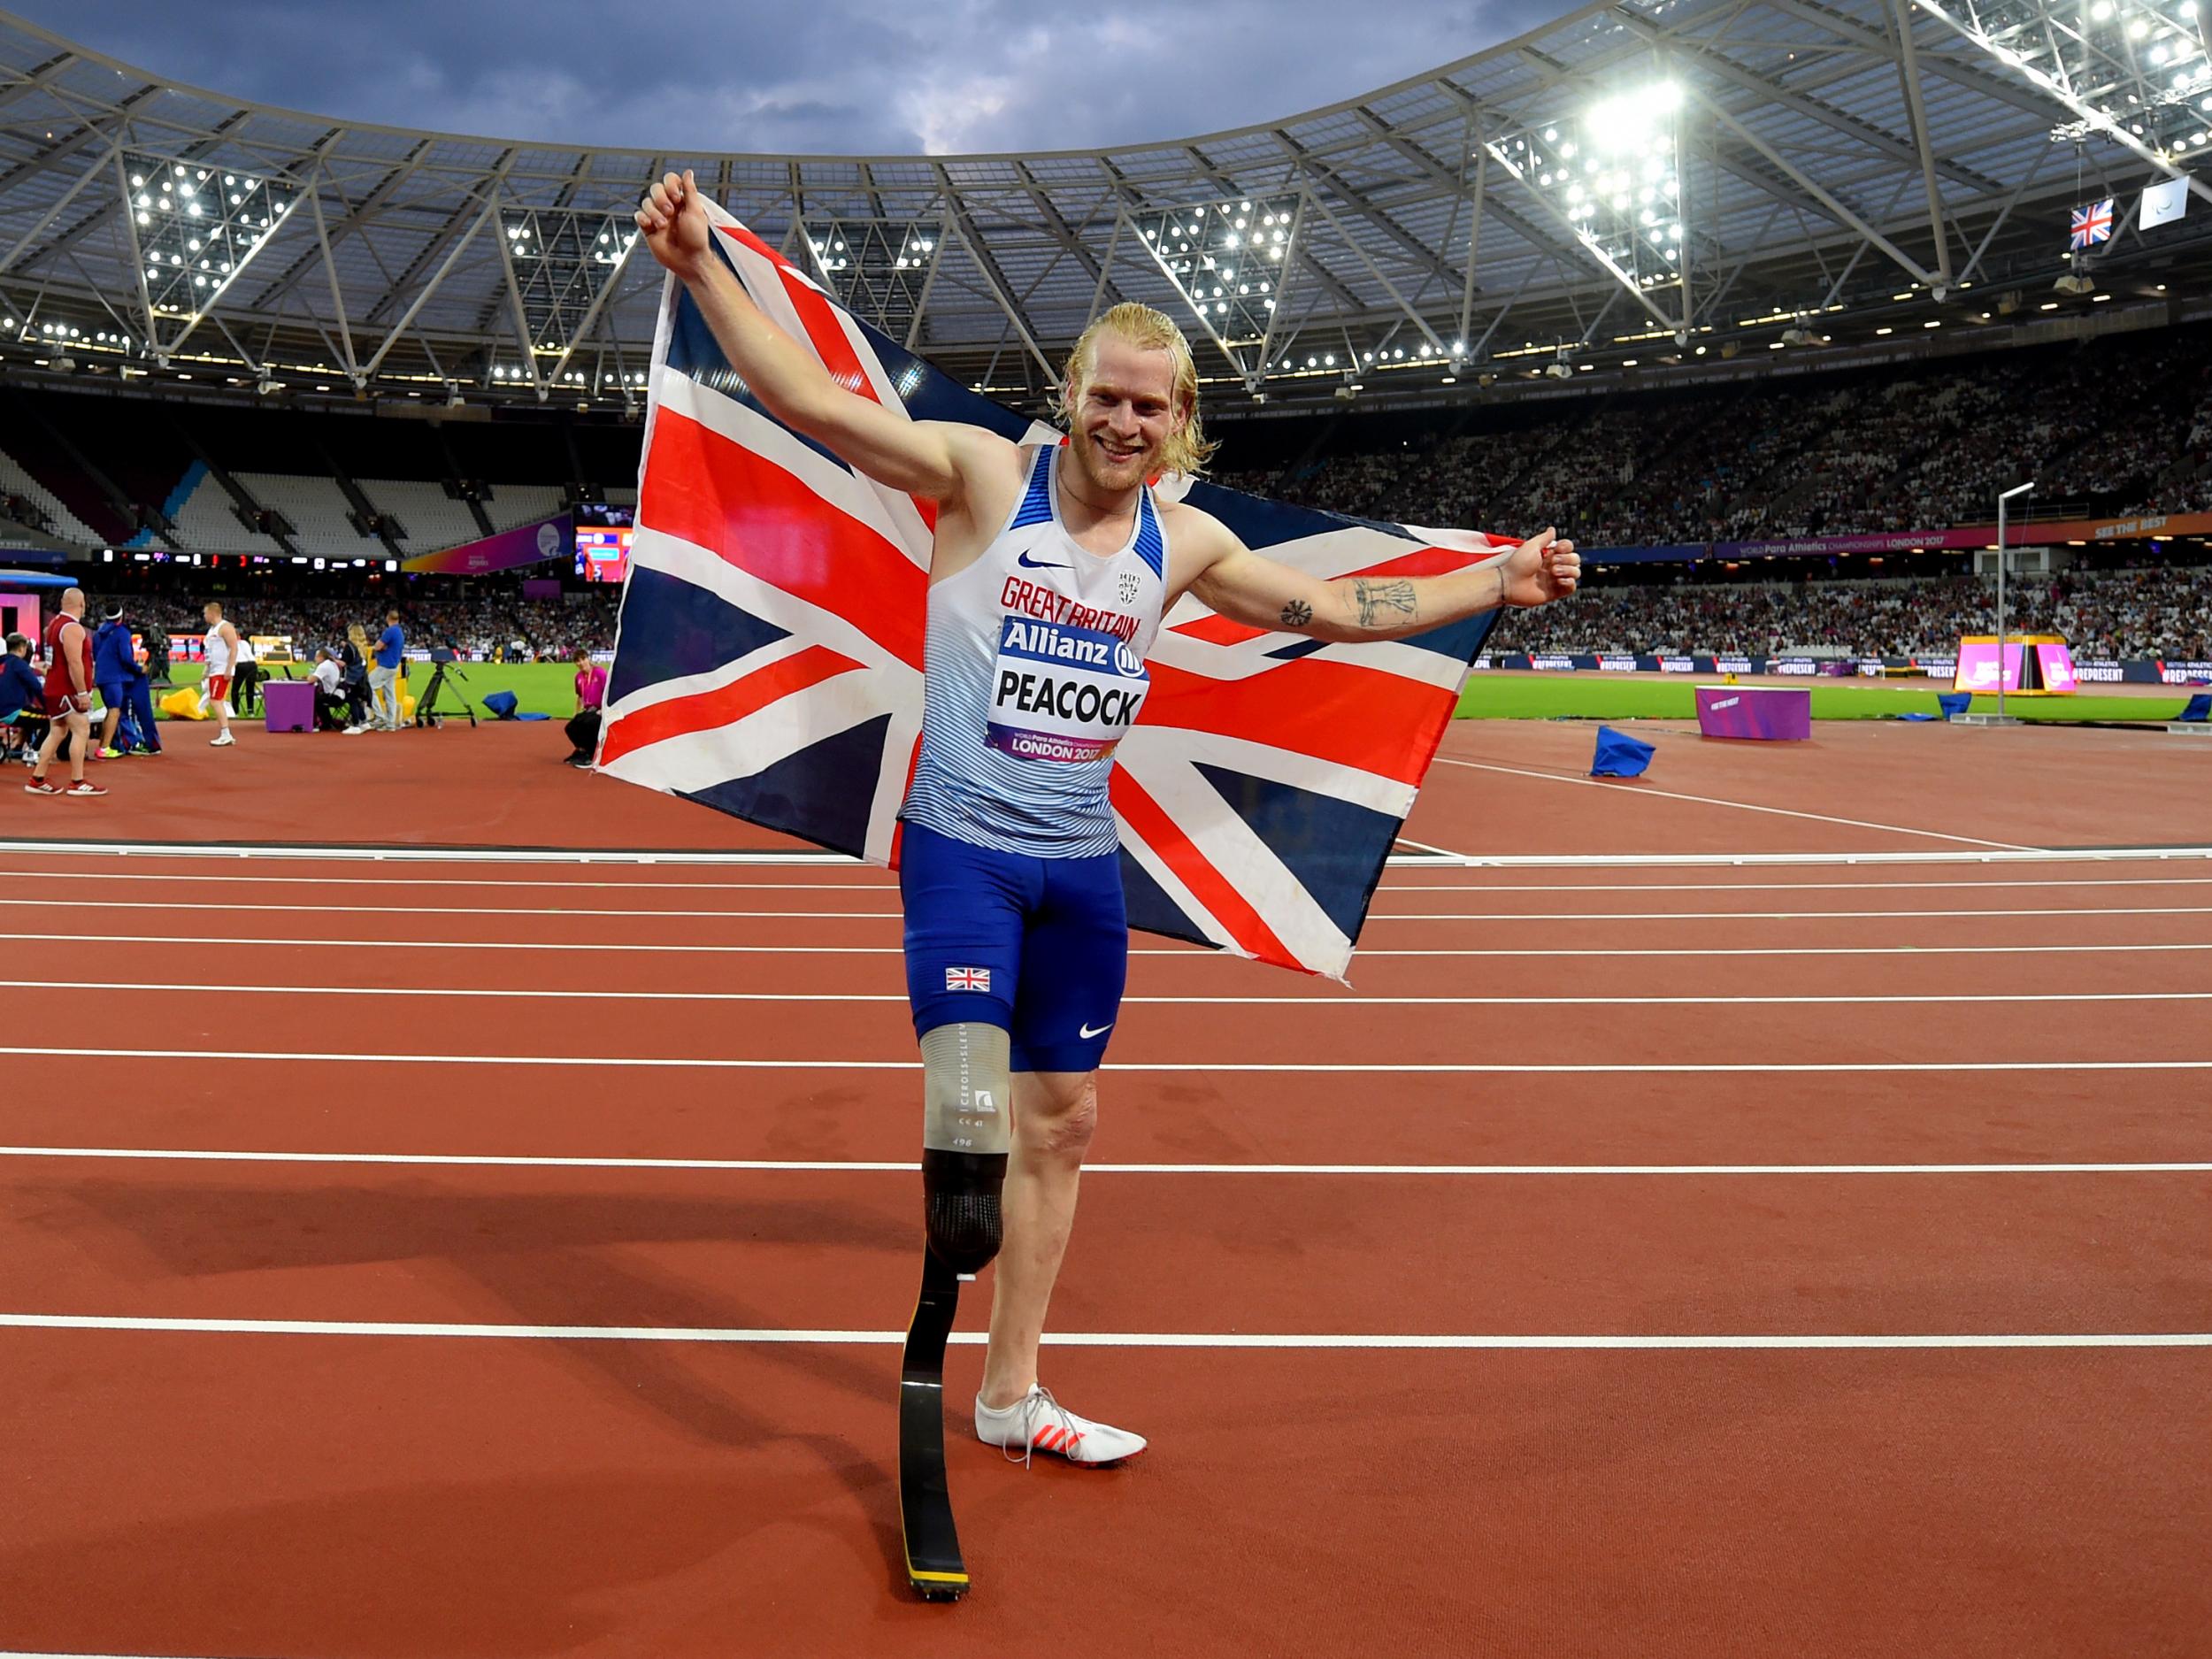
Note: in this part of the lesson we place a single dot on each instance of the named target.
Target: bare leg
(56, 729)
(1054, 1113)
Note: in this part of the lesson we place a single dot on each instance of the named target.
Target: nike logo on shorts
(1089, 1033)
(1028, 564)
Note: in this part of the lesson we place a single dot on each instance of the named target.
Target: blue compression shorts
(1039, 947)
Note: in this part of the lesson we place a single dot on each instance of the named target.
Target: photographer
(583, 726)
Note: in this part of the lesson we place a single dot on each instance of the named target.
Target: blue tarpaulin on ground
(500, 704)
(2200, 707)
(1619, 755)
(1954, 702)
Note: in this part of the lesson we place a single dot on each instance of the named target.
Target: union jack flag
(2091, 225)
(769, 662)
(967, 978)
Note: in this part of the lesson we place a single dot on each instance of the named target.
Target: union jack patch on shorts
(967, 978)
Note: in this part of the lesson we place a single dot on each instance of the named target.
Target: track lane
(389, 1498)
(1687, 1255)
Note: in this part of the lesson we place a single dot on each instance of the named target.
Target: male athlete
(1051, 569)
(68, 698)
(221, 646)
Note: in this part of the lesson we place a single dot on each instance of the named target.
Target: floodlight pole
(2004, 555)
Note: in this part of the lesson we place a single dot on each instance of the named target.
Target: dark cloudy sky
(881, 76)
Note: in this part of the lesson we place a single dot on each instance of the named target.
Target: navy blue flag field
(769, 658)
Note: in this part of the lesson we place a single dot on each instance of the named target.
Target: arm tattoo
(1297, 613)
(1383, 604)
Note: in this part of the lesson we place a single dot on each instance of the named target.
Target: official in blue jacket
(114, 665)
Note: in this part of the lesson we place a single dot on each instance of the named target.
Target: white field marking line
(1300, 1002)
(509, 910)
(863, 1166)
(2003, 853)
(1669, 886)
(887, 888)
(474, 882)
(228, 906)
(327, 853)
(1193, 952)
(1439, 852)
(1085, 1339)
(1741, 806)
(725, 1062)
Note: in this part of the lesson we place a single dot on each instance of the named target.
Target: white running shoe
(1038, 1423)
(220, 743)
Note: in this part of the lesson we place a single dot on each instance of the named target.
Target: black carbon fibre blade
(934, 1566)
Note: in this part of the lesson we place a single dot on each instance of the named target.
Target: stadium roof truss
(1629, 177)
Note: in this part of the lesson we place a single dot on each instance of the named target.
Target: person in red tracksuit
(68, 698)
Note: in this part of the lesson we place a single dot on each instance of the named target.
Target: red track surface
(246, 1493)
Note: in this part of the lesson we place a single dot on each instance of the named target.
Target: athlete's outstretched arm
(1247, 587)
(930, 458)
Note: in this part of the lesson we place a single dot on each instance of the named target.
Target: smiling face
(1124, 413)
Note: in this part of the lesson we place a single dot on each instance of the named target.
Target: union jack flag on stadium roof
(769, 663)
(2092, 224)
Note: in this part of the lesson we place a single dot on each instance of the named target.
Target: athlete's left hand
(1542, 569)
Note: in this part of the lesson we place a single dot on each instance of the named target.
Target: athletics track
(1759, 1211)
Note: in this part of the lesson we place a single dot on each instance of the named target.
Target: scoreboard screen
(602, 556)
(602, 541)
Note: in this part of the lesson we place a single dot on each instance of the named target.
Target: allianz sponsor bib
(1062, 693)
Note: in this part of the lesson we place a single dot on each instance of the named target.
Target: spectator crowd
(2163, 611)
(2108, 428)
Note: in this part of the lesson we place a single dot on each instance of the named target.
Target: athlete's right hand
(673, 219)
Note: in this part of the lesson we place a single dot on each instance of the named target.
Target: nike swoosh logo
(1089, 1033)
(1028, 564)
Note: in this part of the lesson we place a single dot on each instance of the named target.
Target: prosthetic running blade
(934, 1566)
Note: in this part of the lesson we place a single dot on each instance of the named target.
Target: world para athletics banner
(525, 544)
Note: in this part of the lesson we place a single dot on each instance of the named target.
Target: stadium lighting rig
(194, 229)
(879, 269)
(562, 263)
(2134, 71)
(1227, 260)
(1612, 176)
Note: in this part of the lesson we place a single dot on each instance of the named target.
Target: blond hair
(1187, 448)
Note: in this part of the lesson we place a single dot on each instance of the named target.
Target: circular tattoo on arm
(1297, 613)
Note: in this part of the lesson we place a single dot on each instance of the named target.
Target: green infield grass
(539, 688)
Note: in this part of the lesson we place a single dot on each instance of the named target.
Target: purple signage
(1782, 713)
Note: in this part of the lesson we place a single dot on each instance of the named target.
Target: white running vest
(1034, 671)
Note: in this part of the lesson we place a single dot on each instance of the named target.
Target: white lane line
(887, 888)
(725, 1063)
(230, 905)
(1309, 1002)
(330, 852)
(231, 908)
(1379, 1340)
(2000, 853)
(871, 887)
(865, 1166)
(307, 941)
(1640, 791)
(1717, 916)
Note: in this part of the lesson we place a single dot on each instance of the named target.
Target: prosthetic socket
(967, 1128)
